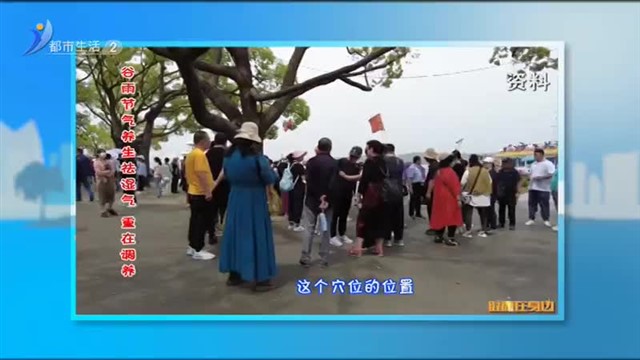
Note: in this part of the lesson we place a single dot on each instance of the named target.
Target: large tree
(250, 84)
(161, 106)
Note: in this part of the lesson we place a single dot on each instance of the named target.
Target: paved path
(521, 265)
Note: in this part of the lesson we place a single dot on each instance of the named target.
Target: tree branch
(355, 84)
(248, 104)
(286, 95)
(221, 101)
(96, 114)
(217, 69)
(109, 106)
(84, 78)
(166, 132)
(368, 70)
(292, 68)
(197, 101)
(324, 79)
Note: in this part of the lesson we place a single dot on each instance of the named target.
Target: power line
(421, 76)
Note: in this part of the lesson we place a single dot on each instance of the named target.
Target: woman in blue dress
(247, 251)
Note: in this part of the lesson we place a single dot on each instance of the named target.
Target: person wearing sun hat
(296, 195)
(476, 190)
(247, 253)
(446, 217)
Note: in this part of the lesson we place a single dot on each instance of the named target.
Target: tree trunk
(144, 149)
(263, 134)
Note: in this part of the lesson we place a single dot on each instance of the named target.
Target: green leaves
(298, 111)
(157, 89)
(92, 136)
(529, 58)
(384, 69)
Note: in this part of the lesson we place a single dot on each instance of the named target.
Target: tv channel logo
(42, 36)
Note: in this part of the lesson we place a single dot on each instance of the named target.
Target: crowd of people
(236, 185)
(167, 175)
(232, 188)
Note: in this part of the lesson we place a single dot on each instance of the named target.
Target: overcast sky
(418, 112)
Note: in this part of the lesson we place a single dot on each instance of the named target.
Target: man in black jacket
(395, 168)
(215, 157)
(508, 183)
(320, 174)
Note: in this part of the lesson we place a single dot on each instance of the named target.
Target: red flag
(376, 123)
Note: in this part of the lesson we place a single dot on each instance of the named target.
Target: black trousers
(218, 212)
(142, 182)
(174, 184)
(395, 221)
(451, 232)
(539, 198)
(507, 204)
(483, 212)
(492, 219)
(200, 220)
(415, 201)
(341, 206)
(296, 205)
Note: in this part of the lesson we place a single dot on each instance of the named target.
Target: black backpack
(391, 189)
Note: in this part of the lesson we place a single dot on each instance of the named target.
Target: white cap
(488, 160)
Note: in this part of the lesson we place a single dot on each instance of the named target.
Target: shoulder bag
(466, 196)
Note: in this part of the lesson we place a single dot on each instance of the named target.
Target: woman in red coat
(446, 203)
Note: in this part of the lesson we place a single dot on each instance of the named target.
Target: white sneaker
(388, 243)
(298, 228)
(547, 224)
(335, 241)
(203, 255)
(555, 228)
(290, 227)
(482, 234)
(346, 240)
(530, 222)
(190, 251)
(467, 234)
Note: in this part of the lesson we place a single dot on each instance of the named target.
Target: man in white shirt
(540, 187)
(415, 177)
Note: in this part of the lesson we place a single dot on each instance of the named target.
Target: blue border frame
(558, 316)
